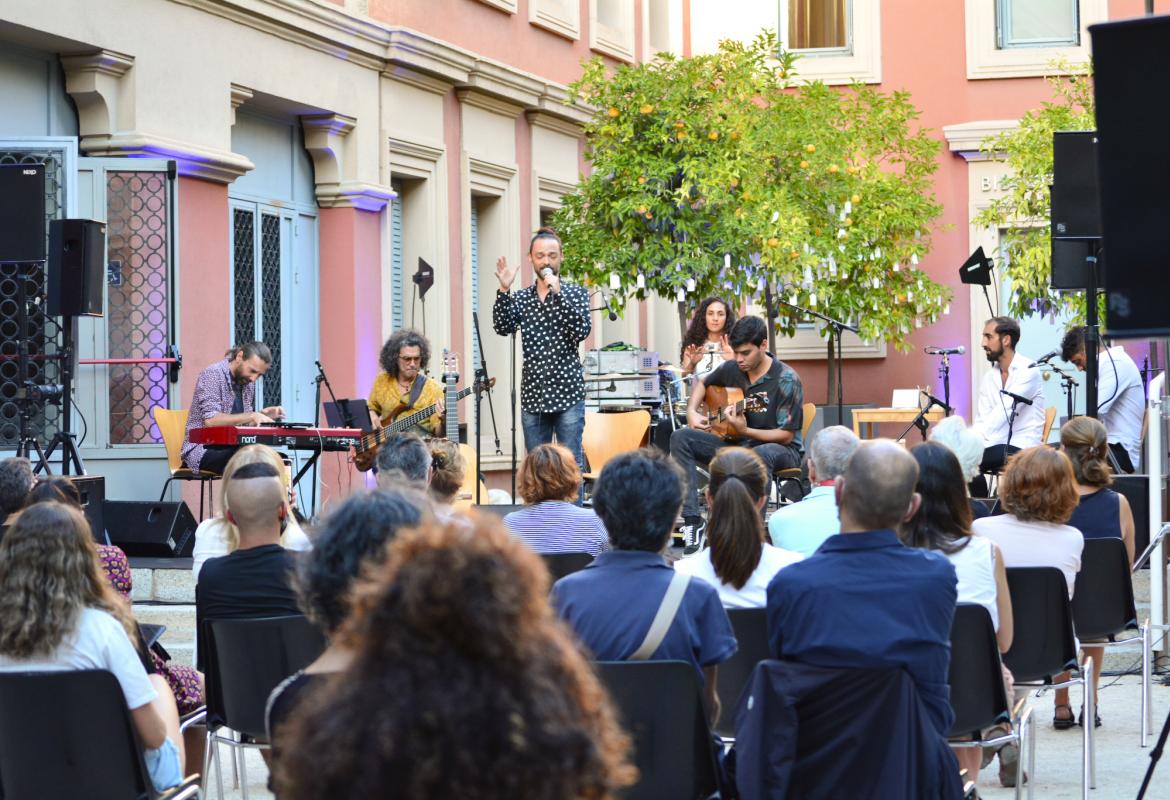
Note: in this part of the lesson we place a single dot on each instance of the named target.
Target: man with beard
(1013, 382)
(225, 394)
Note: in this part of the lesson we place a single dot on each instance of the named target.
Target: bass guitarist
(764, 382)
(401, 386)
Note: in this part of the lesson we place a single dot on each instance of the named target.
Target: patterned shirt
(213, 396)
(779, 388)
(385, 396)
(551, 331)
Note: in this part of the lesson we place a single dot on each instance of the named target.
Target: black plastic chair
(562, 564)
(978, 697)
(660, 704)
(751, 632)
(69, 734)
(1043, 644)
(1103, 606)
(246, 659)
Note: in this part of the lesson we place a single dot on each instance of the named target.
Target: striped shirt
(555, 526)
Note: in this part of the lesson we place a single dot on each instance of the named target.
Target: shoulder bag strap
(667, 610)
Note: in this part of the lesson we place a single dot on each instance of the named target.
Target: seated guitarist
(773, 431)
(401, 386)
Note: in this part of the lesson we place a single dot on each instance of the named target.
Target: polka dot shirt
(550, 334)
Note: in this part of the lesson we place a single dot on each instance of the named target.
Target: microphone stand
(346, 418)
(1011, 425)
(838, 331)
(481, 386)
(920, 422)
(515, 455)
(944, 372)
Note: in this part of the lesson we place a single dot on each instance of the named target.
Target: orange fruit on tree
(613, 112)
(646, 108)
(804, 165)
(713, 135)
(833, 168)
(810, 148)
(856, 199)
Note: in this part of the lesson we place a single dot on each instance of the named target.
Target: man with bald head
(254, 579)
(864, 600)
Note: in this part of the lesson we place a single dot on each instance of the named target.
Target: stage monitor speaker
(92, 489)
(151, 529)
(22, 212)
(1076, 206)
(1131, 78)
(1070, 268)
(77, 253)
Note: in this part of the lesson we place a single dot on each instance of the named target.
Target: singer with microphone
(1010, 410)
(553, 320)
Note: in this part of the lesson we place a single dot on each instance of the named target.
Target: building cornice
(967, 139)
(220, 166)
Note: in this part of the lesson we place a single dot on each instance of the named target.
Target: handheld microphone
(1016, 397)
(945, 351)
(546, 273)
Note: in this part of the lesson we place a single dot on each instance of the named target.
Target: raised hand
(505, 274)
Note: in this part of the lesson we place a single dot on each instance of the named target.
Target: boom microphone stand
(481, 386)
(838, 331)
(920, 421)
(346, 418)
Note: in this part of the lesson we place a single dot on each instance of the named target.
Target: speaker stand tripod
(64, 437)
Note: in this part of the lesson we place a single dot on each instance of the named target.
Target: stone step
(167, 585)
(179, 619)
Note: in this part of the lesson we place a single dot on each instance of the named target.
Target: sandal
(1096, 718)
(1063, 723)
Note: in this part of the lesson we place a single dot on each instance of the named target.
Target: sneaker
(694, 537)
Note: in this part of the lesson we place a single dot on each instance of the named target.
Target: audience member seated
(447, 469)
(217, 536)
(58, 612)
(943, 524)
(552, 522)
(738, 562)
(353, 537)
(864, 600)
(253, 580)
(16, 479)
(967, 445)
(462, 684)
(404, 459)
(1038, 493)
(802, 527)
(612, 602)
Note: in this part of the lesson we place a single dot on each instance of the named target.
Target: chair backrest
(608, 435)
(1043, 644)
(751, 632)
(172, 424)
(1103, 602)
(562, 564)
(660, 705)
(810, 414)
(246, 659)
(68, 734)
(978, 696)
(1049, 418)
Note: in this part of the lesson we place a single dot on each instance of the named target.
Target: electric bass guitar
(723, 399)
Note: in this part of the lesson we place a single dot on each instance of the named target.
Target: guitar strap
(416, 390)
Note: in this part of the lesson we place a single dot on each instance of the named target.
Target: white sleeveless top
(975, 568)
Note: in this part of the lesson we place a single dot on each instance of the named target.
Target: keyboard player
(225, 394)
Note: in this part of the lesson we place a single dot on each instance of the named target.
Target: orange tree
(717, 174)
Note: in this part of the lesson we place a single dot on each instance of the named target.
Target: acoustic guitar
(723, 399)
(471, 481)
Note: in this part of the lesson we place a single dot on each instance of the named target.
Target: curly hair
(351, 536)
(1086, 443)
(463, 684)
(944, 517)
(49, 572)
(1038, 485)
(16, 478)
(697, 331)
(388, 358)
(734, 525)
(548, 472)
(447, 468)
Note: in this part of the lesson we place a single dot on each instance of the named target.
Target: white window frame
(544, 14)
(507, 6)
(614, 42)
(985, 60)
(674, 30)
(861, 62)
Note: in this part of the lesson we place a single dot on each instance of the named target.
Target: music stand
(976, 270)
(423, 280)
(347, 413)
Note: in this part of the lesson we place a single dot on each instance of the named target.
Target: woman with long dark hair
(739, 562)
(704, 345)
(463, 684)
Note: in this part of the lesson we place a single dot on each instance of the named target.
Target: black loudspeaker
(77, 253)
(1131, 78)
(1070, 269)
(92, 489)
(22, 212)
(151, 529)
(1136, 489)
(1076, 205)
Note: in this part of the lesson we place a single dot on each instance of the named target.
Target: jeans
(690, 447)
(567, 426)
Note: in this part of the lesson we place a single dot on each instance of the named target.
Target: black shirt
(551, 331)
(246, 584)
(780, 391)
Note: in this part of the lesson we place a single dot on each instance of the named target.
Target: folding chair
(978, 697)
(788, 476)
(609, 435)
(172, 425)
(69, 734)
(1043, 645)
(751, 632)
(562, 564)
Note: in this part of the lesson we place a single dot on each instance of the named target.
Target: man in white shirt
(1012, 385)
(1121, 395)
(802, 527)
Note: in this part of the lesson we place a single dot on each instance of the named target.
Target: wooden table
(876, 416)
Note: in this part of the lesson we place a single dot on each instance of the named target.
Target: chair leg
(1031, 755)
(1146, 683)
(1088, 778)
(243, 770)
(166, 486)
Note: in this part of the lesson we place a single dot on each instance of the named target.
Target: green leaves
(714, 174)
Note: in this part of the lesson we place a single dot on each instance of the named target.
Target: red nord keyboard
(325, 439)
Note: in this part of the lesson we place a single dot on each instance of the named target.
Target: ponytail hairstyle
(545, 233)
(735, 528)
(1086, 443)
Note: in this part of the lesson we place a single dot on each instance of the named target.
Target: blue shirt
(611, 603)
(556, 526)
(866, 601)
(802, 527)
